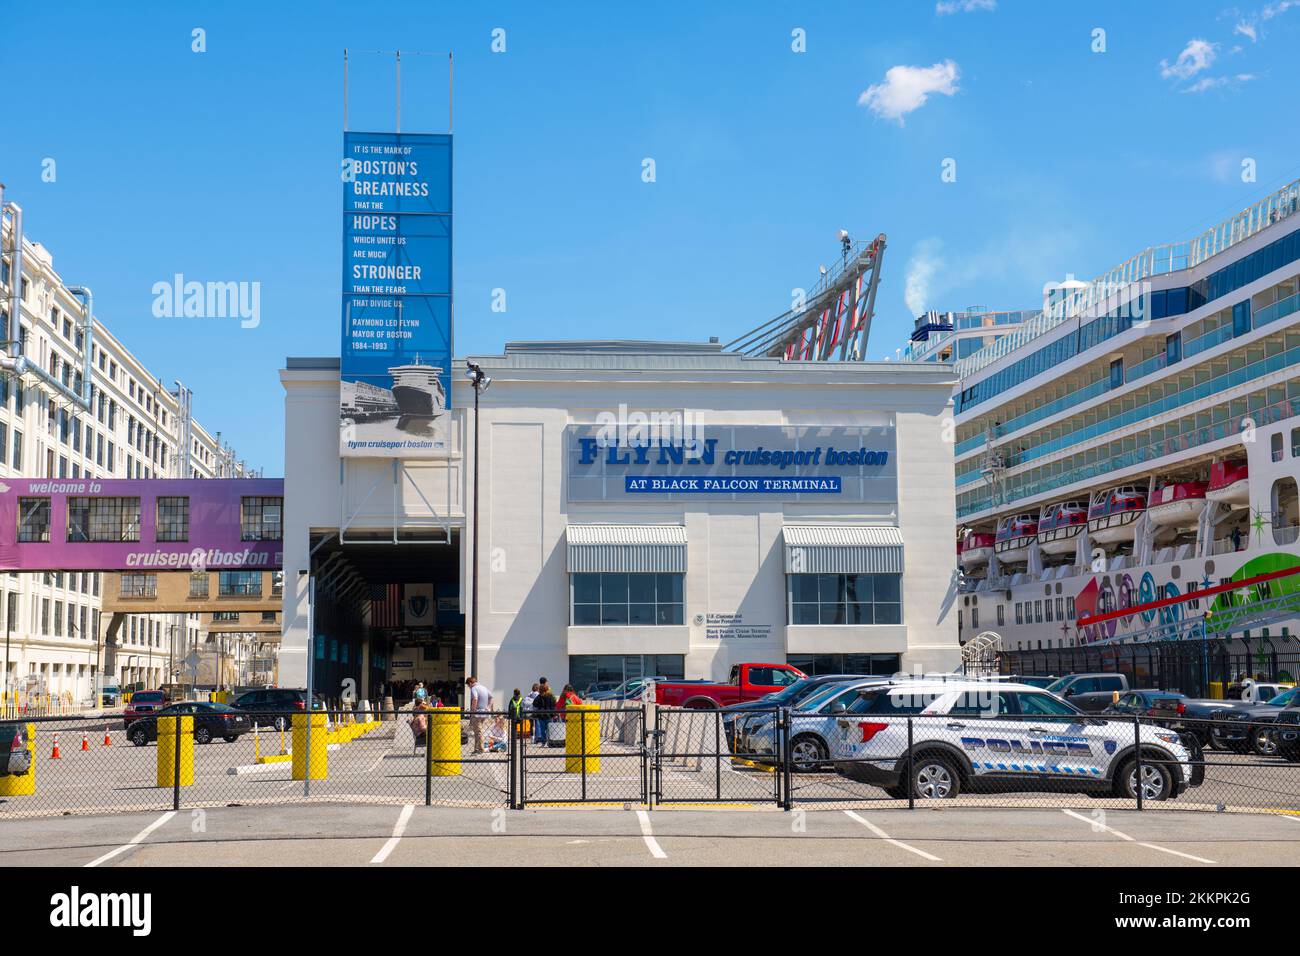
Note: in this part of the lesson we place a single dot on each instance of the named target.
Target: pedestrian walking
(544, 707)
(478, 702)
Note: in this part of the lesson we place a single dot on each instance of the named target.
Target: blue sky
(224, 165)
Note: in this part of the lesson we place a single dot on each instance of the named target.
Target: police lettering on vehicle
(1055, 748)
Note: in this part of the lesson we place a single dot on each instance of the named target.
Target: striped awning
(843, 549)
(627, 548)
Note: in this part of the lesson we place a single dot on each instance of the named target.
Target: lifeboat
(1178, 505)
(1014, 538)
(1113, 514)
(1229, 484)
(974, 550)
(1059, 525)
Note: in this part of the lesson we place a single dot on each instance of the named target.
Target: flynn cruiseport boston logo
(704, 454)
(76, 909)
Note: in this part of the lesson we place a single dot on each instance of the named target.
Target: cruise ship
(1132, 443)
(418, 390)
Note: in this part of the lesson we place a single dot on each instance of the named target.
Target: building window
(103, 519)
(634, 599)
(139, 585)
(18, 449)
(975, 618)
(847, 599)
(1048, 602)
(1295, 442)
(814, 664)
(225, 615)
(239, 583)
(1275, 445)
(268, 617)
(1020, 613)
(613, 669)
(33, 519)
(1038, 612)
(261, 519)
(173, 519)
(1001, 616)
(199, 584)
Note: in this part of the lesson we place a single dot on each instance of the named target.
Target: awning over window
(843, 549)
(627, 547)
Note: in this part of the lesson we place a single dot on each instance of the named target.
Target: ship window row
(1254, 411)
(1163, 304)
(1190, 387)
(1213, 331)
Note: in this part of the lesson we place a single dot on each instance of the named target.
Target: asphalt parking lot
(412, 835)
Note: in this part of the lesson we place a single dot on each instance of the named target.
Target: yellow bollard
(442, 741)
(1216, 690)
(283, 752)
(257, 747)
(24, 785)
(319, 745)
(582, 726)
(167, 751)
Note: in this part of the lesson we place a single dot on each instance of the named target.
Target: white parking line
(888, 839)
(402, 819)
(647, 834)
(1124, 836)
(135, 840)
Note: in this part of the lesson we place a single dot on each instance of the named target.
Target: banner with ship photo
(395, 368)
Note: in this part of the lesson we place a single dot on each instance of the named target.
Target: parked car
(272, 706)
(1256, 692)
(1148, 703)
(1248, 728)
(15, 758)
(1004, 737)
(1089, 692)
(1034, 680)
(143, 702)
(599, 687)
(628, 690)
(109, 695)
(210, 721)
(734, 715)
(747, 682)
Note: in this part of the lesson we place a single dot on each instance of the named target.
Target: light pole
(480, 381)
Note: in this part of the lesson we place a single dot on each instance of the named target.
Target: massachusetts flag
(418, 605)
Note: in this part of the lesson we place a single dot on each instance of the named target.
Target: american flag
(385, 605)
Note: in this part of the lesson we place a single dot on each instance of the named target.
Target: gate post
(1137, 751)
(783, 729)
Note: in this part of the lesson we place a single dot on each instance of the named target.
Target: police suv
(983, 736)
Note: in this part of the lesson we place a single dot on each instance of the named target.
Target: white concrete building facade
(644, 508)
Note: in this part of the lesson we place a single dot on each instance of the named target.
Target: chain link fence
(647, 756)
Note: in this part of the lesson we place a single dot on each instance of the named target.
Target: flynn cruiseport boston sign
(856, 463)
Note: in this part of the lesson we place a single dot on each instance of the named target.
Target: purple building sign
(122, 524)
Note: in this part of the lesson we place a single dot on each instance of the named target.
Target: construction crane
(833, 321)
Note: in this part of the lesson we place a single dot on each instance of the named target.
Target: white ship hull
(1059, 540)
(1177, 514)
(1236, 495)
(1014, 550)
(1113, 529)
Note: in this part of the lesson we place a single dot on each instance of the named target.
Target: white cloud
(1247, 30)
(1198, 55)
(1213, 82)
(964, 6)
(906, 88)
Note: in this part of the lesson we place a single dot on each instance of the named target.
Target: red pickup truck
(747, 682)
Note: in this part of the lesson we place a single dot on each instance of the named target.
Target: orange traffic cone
(85, 741)
(55, 755)
(108, 741)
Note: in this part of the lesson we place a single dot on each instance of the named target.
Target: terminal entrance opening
(387, 618)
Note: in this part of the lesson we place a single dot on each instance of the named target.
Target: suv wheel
(280, 723)
(139, 737)
(934, 778)
(1157, 781)
(808, 753)
(1263, 742)
(202, 735)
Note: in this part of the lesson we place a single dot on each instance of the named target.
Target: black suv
(272, 706)
(210, 721)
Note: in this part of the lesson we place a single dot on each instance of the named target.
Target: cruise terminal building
(643, 508)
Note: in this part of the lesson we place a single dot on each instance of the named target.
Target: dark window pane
(641, 614)
(613, 614)
(888, 587)
(670, 588)
(641, 588)
(832, 613)
(613, 588)
(805, 614)
(858, 587)
(889, 614)
(586, 589)
(670, 614)
(830, 587)
(586, 615)
(861, 614)
(804, 587)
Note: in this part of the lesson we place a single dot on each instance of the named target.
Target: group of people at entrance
(543, 709)
(540, 707)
